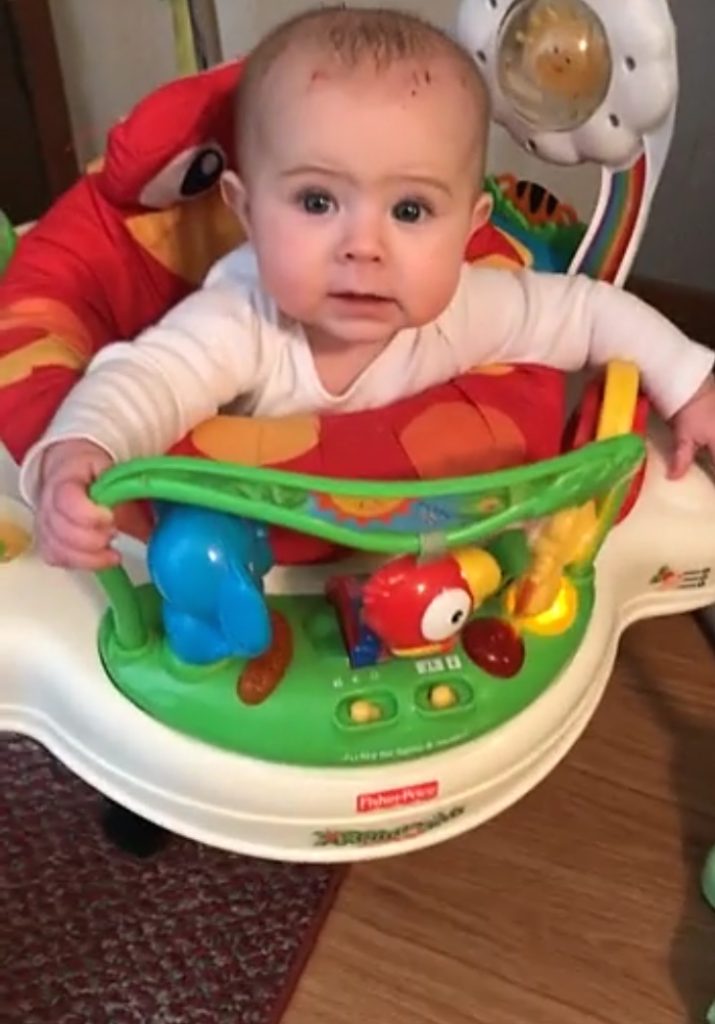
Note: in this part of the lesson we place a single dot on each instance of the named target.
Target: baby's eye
(315, 201)
(410, 211)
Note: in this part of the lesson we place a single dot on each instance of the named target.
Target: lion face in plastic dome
(554, 62)
(564, 55)
(575, 80)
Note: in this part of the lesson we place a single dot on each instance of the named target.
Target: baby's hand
(694, 427)
(72, 530)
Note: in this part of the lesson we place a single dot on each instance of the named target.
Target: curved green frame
(602, 470)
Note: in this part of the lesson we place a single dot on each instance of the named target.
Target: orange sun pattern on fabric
(362, 510)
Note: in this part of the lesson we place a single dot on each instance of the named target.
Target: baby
(362, 136)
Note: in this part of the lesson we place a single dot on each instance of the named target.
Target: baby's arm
(571, 322)
(137, 399)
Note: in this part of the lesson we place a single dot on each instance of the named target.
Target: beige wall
(115, 51)
(245, 20)
(112, 53)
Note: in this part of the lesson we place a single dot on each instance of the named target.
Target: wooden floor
(578, 906)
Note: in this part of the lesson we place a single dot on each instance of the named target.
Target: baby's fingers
(63, 544)
(67, 534)
(682, 458)
(67, 559)
(70, 501)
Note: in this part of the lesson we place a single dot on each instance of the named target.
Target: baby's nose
(363, 240)
(362, 254)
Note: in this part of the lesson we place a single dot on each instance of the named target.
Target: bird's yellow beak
(481, 572)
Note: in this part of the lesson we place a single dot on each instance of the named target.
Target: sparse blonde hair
(353, 37)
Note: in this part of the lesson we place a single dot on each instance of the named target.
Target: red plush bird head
(175, 143)
(158, 184)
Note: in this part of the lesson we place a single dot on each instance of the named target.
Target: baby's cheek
(433, 290)
(284, 277)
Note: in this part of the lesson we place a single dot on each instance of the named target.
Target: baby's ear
(234, 195)
(482, 211)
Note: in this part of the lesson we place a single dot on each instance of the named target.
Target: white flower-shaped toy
(576, 81)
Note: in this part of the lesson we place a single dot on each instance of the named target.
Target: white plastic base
(53, 688)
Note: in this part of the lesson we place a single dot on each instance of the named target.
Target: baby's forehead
(309, 81)
(313, 68)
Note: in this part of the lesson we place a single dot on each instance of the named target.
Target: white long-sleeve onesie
(227, 347)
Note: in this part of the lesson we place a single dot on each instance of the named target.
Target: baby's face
(360, 193)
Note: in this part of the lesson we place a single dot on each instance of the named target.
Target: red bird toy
(418, 608)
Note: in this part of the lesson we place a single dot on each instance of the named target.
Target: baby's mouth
(358, 297)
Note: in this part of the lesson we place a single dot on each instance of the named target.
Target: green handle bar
(286, 499)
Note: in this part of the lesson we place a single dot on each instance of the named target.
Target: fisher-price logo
(385, 800)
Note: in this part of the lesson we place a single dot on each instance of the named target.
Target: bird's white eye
(190, 173)
(446, 614)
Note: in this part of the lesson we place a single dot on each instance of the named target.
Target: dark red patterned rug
(89, 935)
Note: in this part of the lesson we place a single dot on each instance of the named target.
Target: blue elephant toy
(208, 568)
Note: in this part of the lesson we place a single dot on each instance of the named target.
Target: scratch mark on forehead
(318, 75)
